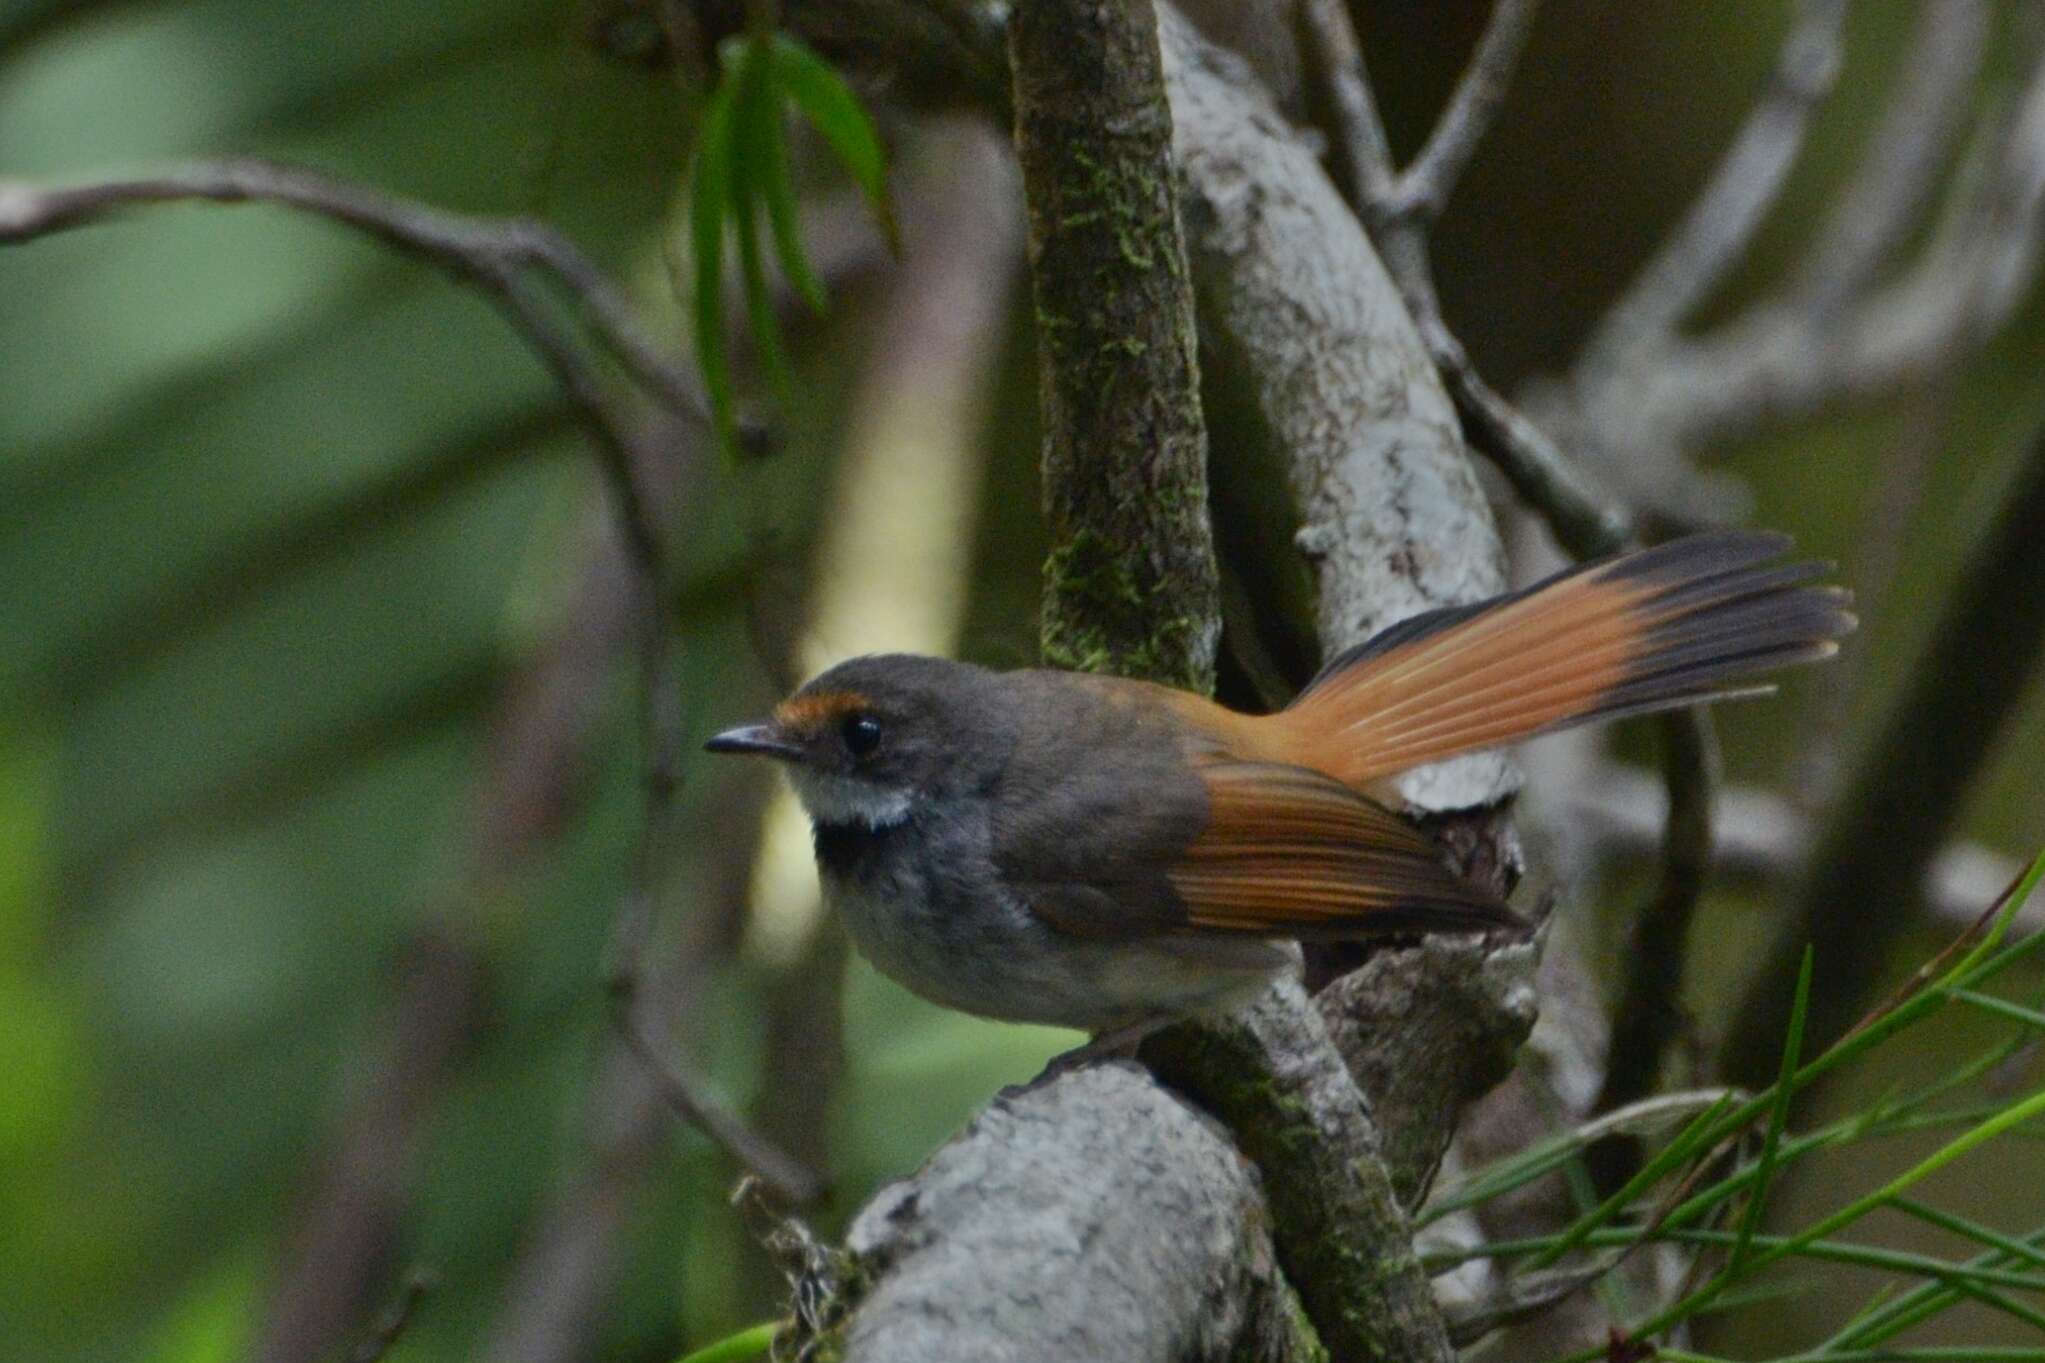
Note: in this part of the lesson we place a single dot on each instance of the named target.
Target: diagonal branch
(1904, 157)
(494, 256)
(1714, 233)
(1398, 210)
(1423, 190)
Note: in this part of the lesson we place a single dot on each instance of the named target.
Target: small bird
(1112, 855)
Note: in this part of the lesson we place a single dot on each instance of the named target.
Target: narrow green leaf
(1884, 1321)
(777, 188)
(1988, 1003)
(1698, 1135)
(755, 119)
(1516, 1170)
(748, 1343)
(1972, 1230)
(709, 205)
(829, 104)
(1771, 1140)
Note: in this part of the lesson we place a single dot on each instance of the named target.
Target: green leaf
(1778, 1118)
(710, 194)
(748, 1343)
(777, 188)
(829, 104)
(756, 116)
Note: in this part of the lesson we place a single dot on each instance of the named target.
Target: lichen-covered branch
(1130, 585)
(1341, 1231)
(1095, 1217)
(1345, 406)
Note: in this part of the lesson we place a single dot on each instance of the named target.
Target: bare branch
(528, 786)
(1905, 155)
(491, 255)
(1649, 1016)
(1784, 361)
(1764, 839)
(1724, 217)
(1098, 1215)
(662, 735)
(1585, 520)
(1397, 209)
(1334, 60)
(1423, 190)
(1271, 1072)
(788, 1179)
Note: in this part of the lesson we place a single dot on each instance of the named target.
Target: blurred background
(320, 759)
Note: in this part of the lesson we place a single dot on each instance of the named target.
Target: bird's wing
(1121, 828)
(1290, 852)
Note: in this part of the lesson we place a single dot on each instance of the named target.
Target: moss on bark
(1130, 585)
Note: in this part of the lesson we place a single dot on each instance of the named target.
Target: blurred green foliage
(279, 514)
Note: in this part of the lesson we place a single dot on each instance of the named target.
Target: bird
(1113, 855)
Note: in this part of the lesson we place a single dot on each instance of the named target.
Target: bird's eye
(862, 734)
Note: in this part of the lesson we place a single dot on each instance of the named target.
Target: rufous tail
(1687, 621)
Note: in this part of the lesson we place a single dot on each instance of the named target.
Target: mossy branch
(1130, 585)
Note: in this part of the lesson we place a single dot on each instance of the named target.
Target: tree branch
(1763, 839)
(492, 256)
(1130, 585)
(1342, 1234)
(1714, 233)
(1904, 157)
(1423, 190)
(1398, 209)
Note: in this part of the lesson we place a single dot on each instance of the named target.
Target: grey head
(869, 740)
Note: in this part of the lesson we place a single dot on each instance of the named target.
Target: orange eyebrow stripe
(808, 714)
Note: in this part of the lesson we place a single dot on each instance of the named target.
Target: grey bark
(1356, 417)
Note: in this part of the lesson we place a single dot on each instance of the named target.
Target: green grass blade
(756, 118)
(1895, 1261)
(1778, 1118)
(748, 1343)
(829, 104)
(1972, 1230)
(1516, 1170)
(1698, 1135)
(1988, 1003)
(777, 189)
(1885, 1321)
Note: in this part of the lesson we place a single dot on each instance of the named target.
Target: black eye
(862, 734)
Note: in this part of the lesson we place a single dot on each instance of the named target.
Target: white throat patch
(833, 799)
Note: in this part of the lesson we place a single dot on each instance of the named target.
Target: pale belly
(996, 960)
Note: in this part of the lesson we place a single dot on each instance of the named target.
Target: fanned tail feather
(1682, 623)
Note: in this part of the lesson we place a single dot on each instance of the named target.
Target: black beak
(753, 738)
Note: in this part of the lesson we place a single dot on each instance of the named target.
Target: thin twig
(662, 725)
(1649, 1015)
(1328, 42)
(493, 255)
(1585, 520)
(1722, 221)
(1905, 155)
(1423, 190)
(1397, 210)
(787, 1177)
